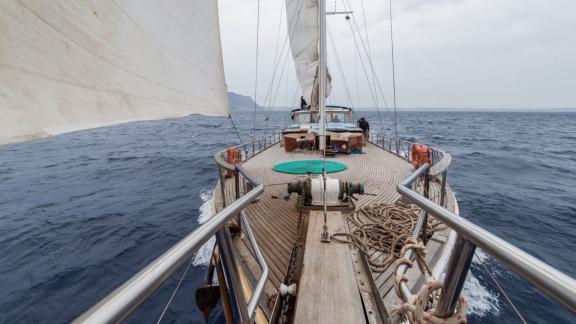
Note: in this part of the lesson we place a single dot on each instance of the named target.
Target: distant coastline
(518, 110)
(239, 102)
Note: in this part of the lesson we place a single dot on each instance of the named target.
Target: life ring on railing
(420, 155)
(233, 156)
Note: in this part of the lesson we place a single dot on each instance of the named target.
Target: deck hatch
(309, 166)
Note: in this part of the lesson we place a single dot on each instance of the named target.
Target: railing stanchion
(443, 189)
(225, 246)
(456, 272)
(426, 190)
(222, 185)
(237, 189)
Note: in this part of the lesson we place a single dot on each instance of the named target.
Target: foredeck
(274, 219)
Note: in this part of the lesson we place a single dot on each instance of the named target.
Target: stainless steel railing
(119, 304)
(552, 282)
(440, 161)
(253, 303)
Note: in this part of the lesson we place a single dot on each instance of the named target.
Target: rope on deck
(388, 228)
(383, 228)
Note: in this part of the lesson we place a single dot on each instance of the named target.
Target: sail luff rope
(393, 74)
(256, 67)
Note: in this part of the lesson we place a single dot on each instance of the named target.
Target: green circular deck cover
(309, 166)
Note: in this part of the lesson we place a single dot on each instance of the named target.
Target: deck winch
(338, 192)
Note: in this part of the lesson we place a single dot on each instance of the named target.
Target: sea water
(81, 213)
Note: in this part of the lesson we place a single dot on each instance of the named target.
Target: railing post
(237, 189)
(227, 255)
(456, 272)
(443, 188)
(427, 195)
(222, 185)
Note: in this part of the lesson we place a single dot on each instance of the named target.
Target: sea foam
(205, 252)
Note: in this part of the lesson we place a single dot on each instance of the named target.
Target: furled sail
(70, 65)
(303, 29)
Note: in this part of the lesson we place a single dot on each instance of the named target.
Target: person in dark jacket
(303, 104)
(363, 124)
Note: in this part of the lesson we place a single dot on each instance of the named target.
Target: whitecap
(205, 252)
(481, 301)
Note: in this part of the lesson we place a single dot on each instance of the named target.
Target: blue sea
(82, 212)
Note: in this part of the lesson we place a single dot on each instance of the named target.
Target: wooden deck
(333, 289)
(274, 219)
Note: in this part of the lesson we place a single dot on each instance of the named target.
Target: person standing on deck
(303, 104)
(363, 124)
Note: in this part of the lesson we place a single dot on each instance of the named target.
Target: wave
(481, 301)
(205, 252)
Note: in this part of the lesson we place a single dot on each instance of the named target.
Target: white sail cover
(70, 65)
(303, 28)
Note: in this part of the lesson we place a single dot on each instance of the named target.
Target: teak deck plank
(328, 292)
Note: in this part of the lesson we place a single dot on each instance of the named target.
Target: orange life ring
(233, 156)
(420, 155)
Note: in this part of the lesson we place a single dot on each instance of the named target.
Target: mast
(322, 76)
(322, 108)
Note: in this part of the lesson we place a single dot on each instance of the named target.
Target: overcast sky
(449, 53)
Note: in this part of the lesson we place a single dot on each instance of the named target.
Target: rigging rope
(501, 289)
(340, 70)
(256, 68)
(268, 101)
(393, 73)
(368, 42)
(235, 128)
(175, 290)
(374, 75)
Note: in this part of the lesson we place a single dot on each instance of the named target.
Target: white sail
(70, 65)
(304, 34)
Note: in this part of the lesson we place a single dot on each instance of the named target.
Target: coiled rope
(382, 228)
(388, 228)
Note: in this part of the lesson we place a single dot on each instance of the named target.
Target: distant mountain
(238, 102)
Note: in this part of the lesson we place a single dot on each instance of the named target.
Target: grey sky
(449, 53)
